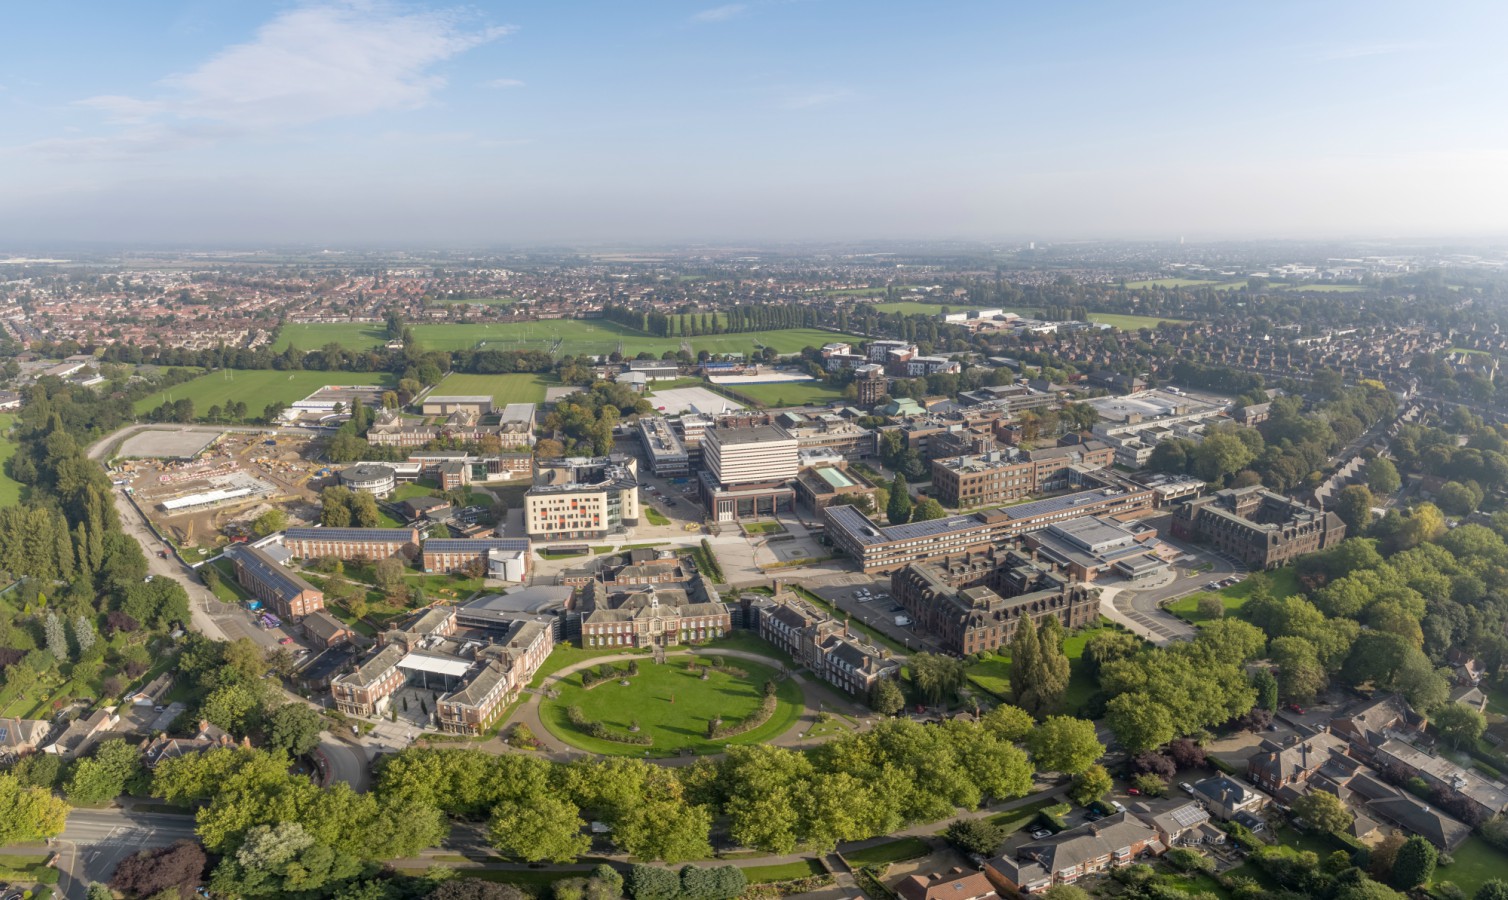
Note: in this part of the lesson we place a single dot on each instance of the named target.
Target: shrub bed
(596, 729)
(757, 718)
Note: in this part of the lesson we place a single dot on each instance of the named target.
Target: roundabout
(673, 706)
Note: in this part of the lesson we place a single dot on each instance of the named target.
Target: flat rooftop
(755, 434)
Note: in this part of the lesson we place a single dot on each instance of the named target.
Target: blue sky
(358, 121)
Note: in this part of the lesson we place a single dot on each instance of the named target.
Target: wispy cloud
(504, 83)
(721, 13)
(310, 64)
(1361, 51)
(815, 98)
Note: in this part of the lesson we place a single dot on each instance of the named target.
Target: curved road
(813, 697)
(214, 618)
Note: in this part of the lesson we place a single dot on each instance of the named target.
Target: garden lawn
(255, 387)
(1282, 583)
(10, 489)
(791, 871)
(1013, 820)
(654, 516)
(889, 852)
(503, 389)
(788, 393)
(1474, 862)
(993, 673)
(672, 706)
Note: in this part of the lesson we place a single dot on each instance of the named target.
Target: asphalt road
(1145, 607)
(96, 840)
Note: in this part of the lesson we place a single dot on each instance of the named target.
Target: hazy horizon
(363, 122)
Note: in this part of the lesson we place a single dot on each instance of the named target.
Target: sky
(357, 122)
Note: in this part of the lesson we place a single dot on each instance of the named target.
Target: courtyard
(672, 705)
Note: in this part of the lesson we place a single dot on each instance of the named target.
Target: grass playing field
(594, 337)
(256, 388)
(525, 388)
(1128, 323)
(672, 706)
(10, 490)
(789, 393)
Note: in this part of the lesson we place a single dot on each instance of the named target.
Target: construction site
(214, 497)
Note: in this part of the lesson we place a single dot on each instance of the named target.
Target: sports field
(595, 337)
(788, 393)
(525, 388)
(256, 388)
(355, 336)
(10, 490)
(1129, 323)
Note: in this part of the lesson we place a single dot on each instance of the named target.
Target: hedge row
(755, 719)
(596, 729)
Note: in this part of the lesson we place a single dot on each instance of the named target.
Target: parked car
(1040, 833)
(1117, 805)
(1294, 707)
(286, 640)
(1135, 792)
(1186, 787)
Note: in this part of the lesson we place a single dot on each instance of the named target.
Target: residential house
(1179, 822)
(325, 630)
(19, 737)
(1069, 855)
(1225, 797)
(1465, 786)
(955, 885)
(81, 734)
(1371, 723)
(1276, 766)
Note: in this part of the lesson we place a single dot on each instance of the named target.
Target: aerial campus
(830, 581)
(753, 449)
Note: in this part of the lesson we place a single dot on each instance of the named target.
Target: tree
(1090, 785)
(1459, 724)
(1492, 890)
(938, 677)
(978, 836)
(1323, 811)
(387, 575)
(1039, 669)
(1150, 785)
(269, 522)
(1382, 476)
(115, 767)
(28, 813)
(98, 891)
(928, 510)
(899, 509)
(647, 882)
(1267, 689)
(1210, 606)
(1065, 744)
(1139, 721)
(1415, 863)
(542, 828)
(1220, 454)
(294, 728)
(886, 698)
(1301, 675)
(179, 867)
(83, 635)
(1354, 506)
(57, 638)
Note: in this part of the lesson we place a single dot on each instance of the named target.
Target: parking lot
(869, 600)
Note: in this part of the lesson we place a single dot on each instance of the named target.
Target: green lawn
(525, 388)
(671, 384)
(27, 867)
(789, 393)
(1013, 820)
(1129, 323)
(1475, 862)
(10, 489)
(352, 336)
(256, 388)
(791, 871)
(654, 516)
(1282, 583)
(889, 852)
(993, 673)
(672, 706)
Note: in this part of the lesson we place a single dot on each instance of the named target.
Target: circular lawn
(672, 705)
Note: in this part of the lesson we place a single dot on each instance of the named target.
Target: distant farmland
(576, 337)
(255, 388)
